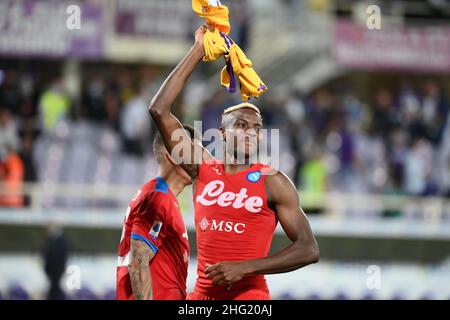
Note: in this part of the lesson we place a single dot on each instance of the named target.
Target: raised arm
(139, 270)
(167, 123)
(303, 250)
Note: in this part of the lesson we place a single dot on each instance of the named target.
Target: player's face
(242, 136)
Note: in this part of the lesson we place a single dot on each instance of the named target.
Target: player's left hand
(227, 272)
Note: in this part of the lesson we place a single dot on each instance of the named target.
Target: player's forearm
(163, 101)
(293, 257)
(141, 281)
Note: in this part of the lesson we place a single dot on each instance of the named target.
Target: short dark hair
(158, 143)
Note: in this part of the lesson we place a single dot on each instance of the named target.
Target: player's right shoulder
(144, 193)
(156, 190)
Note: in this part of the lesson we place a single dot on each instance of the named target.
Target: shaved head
(159, 148)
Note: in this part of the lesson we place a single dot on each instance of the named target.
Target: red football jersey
(154, 217)
(233, 222)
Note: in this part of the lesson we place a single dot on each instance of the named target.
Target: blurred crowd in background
(76, 136)
(393, 138)
(396, 141)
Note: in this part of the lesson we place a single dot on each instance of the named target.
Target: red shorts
(124, 290)
(249, 294)
(167, 294)
(170, 294)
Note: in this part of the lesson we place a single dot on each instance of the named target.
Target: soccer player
(154, 248)
(237, 205)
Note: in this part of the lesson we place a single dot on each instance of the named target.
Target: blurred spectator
(417, 166)
(320, 109)
(397, 161)
(295, 110)
(112, 109)
(93, 100)
(409, 105)
(384, 117)
(27, 88)
(54, 105)
(55, 256)
(11, 178)
(8, 130)
(240, 20)
(356, 112)
(313, 173)
(135, 123)
(410, 112)
(26, 155)
(10, 95)
(212, 109)
(434, 111)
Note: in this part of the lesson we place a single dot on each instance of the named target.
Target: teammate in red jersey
(154, 248)
(237, 204)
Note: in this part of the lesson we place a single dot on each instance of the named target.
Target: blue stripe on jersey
(136, 236)
(161, 185)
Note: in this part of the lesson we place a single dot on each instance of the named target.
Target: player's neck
(234, 168)
(174, 181)
(233, 165)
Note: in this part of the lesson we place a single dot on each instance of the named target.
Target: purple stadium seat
(314, 296)
(341, 295)
(397, 296)
(110, 295)
(427, 296)
(85, 294)
(287, 296)
(368, 296)
(16, 292)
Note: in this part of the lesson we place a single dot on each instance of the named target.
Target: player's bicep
(294, 223)
(289, 213)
